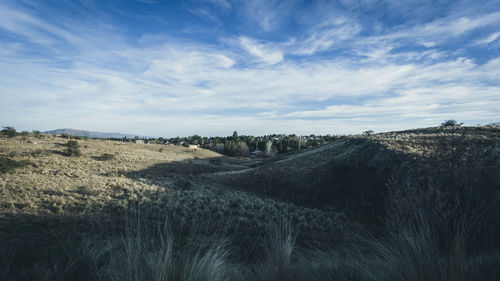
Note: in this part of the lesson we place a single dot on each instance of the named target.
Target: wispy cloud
(267, 14)
(263, 53)
(485, 41)
(335, 76)
(330, 34)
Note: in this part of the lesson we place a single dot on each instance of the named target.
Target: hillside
(355, 174)
(53, 197)
(50, 201)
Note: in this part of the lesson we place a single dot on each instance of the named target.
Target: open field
(322, 198)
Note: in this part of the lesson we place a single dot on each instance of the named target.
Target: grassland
(123, 211)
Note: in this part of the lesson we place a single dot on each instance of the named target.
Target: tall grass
(278, 263)
(154, 252)
(410, 250)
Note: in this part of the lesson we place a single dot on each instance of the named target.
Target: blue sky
(176, 68)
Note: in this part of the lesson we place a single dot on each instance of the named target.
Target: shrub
(451, 123)
(73, 148)
(37, 134)
(107, 157)
(8, 165)
(85, 189)
(9, 132)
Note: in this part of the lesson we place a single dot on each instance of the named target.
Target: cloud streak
(334, 77)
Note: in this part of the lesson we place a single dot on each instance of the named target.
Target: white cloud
(446, 90)
(489, 39)
(443, 29)
(31, 28)
(265, 54)
(327, 35)
(428, 44)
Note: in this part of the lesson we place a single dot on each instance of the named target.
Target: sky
(210, 67)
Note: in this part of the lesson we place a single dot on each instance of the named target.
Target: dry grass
(54, 178)
(34, 198)
(58, 198)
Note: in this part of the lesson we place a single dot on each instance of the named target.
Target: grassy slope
(58, 198)
(354, 173)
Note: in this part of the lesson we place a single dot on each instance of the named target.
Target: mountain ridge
(92, 134)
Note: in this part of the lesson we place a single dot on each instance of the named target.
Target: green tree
(230, 148)
(196, 139)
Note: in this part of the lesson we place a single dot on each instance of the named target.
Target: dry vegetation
(121, 211)
(61, 197)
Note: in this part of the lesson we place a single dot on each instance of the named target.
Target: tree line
(246, 145)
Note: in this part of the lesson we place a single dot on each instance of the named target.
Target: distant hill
(90, 134)
(355, 174)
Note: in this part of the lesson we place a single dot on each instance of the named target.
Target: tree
(235, 135)
(242, 149)
(195, 139)
(451, 123)
(8, 131)
(230, 148)
(268, 148)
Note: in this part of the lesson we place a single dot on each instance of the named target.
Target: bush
(8, 165)
(451, 123)
(9, 132)
(107, 157)
(37, 134)
(72, 148)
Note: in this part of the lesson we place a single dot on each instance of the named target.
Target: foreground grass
(147, 251)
